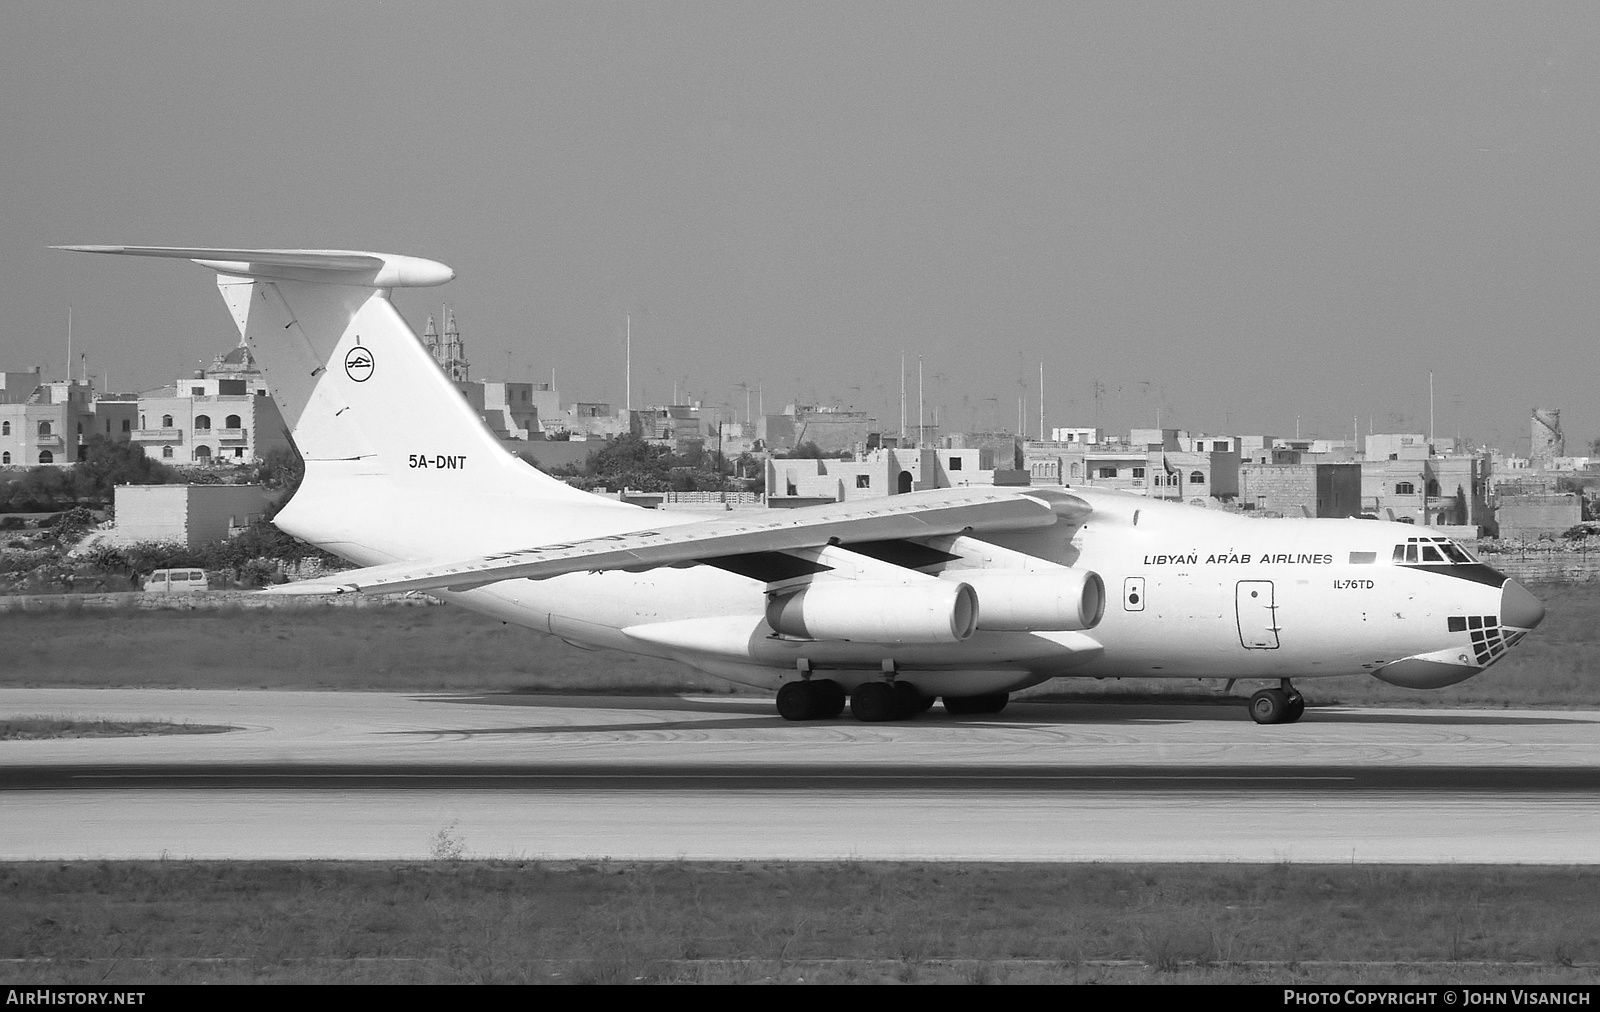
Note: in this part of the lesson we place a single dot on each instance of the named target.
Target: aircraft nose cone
(1518, 608)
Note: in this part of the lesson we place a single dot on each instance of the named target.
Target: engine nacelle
(932, 612)
(1054, 599)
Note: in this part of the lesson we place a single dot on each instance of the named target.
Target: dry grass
(396, 649)
(32, 727)
(455, 921)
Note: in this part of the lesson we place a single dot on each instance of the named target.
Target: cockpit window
(1455, 553)
(1432, 551)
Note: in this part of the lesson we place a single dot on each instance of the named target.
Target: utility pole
(1041, 400)
(921, 417)
(1429, 417)
(902, 397)
(628, 366)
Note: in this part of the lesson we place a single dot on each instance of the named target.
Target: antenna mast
(902, 397)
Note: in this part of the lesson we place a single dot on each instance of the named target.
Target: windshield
(1434, 551)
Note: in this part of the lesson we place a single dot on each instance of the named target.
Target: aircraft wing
(914, 515)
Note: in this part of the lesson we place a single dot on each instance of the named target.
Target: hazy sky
(1231, 213)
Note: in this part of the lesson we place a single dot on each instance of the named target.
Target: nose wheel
(1277, 706)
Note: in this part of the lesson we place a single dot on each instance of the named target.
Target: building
(1071, 435)
(190, 515)
(447, 349)
(1397, 446)
(1160, 468)
(51, 422)
(1546, 442)
(1535, 517)
(833, 430)
(224, 414)
(515, 410)
(793, 481)
(1194, 477)
(1296, 488)
(1434, 491)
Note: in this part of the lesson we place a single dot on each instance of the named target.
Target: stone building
(191, 515)
(1546, 442)
(883, 472)
(224, 414)
(1532, 517)
(1301, 489)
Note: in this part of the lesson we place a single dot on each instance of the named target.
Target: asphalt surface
(801, 777)
(388, 776)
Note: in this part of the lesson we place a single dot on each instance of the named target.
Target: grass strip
(28, 727)
(530, 922)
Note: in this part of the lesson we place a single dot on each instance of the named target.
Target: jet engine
(1054, 599)
(937, 611)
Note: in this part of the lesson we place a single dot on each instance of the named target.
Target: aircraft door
(1258, 615)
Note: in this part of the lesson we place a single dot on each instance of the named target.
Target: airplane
(962, 594)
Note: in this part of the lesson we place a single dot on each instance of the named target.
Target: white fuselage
(1191, 593)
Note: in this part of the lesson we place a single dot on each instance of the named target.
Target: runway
(371, 775)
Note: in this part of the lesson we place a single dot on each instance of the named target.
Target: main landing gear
(811, 699)
(1283, 705)
(874, 702)
(879, 701)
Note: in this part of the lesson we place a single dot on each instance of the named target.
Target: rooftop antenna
(1430, 416)
(1041, 400)
(902, 396)
(921, 416)
(69, 344)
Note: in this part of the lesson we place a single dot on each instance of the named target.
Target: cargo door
(1258, 615)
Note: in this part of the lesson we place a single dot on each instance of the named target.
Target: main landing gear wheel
(908, 701)
(816, 699)
(992, 702)
(1277, 706)
(1297, 708)
(873, 702)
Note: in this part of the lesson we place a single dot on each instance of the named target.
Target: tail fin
(376, 420)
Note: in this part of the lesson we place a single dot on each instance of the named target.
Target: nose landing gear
(1282, 705)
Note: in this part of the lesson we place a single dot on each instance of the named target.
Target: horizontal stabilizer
(915, 515)
(377, 270)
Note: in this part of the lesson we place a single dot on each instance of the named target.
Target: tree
(281, 468)
(631, 462)
(107, 464)
(38, 490)
(809, 450)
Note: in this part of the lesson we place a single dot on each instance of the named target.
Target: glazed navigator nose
(1518, 608)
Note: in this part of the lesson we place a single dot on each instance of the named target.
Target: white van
(177, 581)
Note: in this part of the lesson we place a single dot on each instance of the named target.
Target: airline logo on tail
(358, 364)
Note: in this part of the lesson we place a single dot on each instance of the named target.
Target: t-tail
(393, 452)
